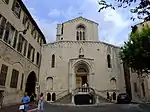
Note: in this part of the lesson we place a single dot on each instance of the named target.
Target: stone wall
(15, 60)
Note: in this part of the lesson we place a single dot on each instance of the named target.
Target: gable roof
(80, 18)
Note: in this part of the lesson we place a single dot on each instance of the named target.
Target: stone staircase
(65, 99)
(103, 100)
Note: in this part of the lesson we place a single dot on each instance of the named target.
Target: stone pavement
(103, 107)
(15, 108)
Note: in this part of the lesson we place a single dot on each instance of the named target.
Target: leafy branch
(142, 9)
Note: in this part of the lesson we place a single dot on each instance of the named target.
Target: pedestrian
(25, 100)
(114, 95)
(107, 95)
(32, 98)
(41, 103)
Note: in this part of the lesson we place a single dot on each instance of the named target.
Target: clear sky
(114, 25)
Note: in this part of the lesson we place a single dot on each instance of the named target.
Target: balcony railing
(84, 90)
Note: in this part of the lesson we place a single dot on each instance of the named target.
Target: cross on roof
(80, 14)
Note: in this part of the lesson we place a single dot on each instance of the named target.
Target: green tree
(136, 51)
(142, 9)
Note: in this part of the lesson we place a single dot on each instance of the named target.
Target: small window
(21, 86)
(53, 61)
(28, 25)
(37, 58)
(3, 74)
(14, 78)
(29, 51)
(83, 35)
(25, 48)
(77, 35)
(49, 83)
(41, 41)
(135, 87)
(2, 26)
(20, 43)
(25, 19)
(15, 39)
(16, 8)
(32, 30)
(109, 61)
(38, 38)
(143, 89)
(34, 35)
(6, 1)
(80, 35)
(9, 33)
(33, 54)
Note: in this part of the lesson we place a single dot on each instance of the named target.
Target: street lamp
(24, 31)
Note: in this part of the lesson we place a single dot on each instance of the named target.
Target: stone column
(73, 81)
(72, 99)
(70, 83)
(97, 99)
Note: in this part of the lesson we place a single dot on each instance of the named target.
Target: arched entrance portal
(31, 83)
(81, 71)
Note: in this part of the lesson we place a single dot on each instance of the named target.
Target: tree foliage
(136, 51)
(142, 9)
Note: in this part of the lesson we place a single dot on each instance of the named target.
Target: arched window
(80, 35)
(113, 83)
(53, 61)
(143, 89)
(83, 35)
(109, 61)
(77, 35)
(49, 83)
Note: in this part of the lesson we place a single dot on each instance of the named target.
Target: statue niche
(81, 52)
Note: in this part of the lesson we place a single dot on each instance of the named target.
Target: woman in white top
(41, 103)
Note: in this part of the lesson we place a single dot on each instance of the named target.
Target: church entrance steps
(103, 99)
(65, 99)
(82, 96)
(71, 104)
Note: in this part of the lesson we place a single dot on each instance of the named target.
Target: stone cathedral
(77, 57)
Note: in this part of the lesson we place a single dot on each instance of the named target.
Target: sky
(114, 25)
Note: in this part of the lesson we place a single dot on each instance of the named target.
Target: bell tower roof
(80, 18)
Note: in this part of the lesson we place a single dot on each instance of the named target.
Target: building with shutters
(20, 51)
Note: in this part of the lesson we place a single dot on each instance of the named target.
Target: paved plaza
(99, 108)
(87, 108)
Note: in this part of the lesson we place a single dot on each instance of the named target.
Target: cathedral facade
(77, 57)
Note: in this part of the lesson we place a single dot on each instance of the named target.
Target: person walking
(41, 103)
(32, 98)
(25, 100)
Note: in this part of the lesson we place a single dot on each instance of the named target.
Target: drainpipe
(38, 80)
